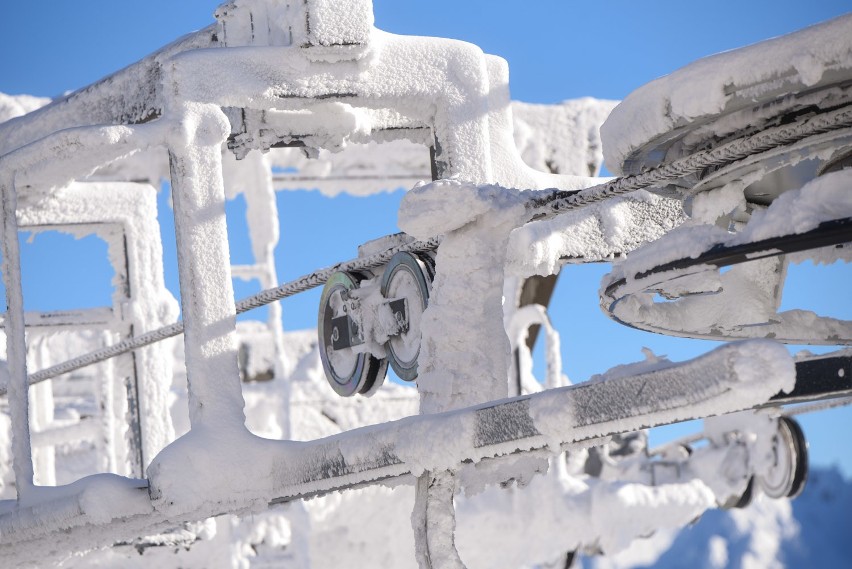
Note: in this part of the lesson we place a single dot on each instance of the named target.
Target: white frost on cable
(599, 232)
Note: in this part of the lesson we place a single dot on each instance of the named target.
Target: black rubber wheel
(800, 477)
(786, 478)
(745, 498)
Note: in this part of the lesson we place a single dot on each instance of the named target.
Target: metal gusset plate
(347, 370)
(407, 278)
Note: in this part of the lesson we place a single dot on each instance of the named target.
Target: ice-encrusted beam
(16, 345)
(131, 95)
(66, 155)
(731, 378)
(207, 295)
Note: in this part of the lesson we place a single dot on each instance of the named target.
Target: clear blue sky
(556, 50)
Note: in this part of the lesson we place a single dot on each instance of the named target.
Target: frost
(725, 82)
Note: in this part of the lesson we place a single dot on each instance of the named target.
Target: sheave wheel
(786, 478)
(407, 277)
(347, 371)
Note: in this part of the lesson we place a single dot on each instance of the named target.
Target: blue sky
(556, 50)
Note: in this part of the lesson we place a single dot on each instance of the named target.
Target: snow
(726, 82)
(596, 233)
(824, 199)
(563, 138)
(797, 211)
(770, 533)
(518, 329)
(12, 106)
(241, 447)
(742, 302)
(471, 365)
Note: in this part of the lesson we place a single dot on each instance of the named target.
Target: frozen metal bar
(207, 295)
(16, 344)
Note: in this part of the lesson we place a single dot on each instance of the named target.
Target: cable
(728, 153)
(301, 284)
(540, 208)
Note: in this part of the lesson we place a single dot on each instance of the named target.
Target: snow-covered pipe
(131, 95)
(71, 154)
(522, 319)
(732, 377)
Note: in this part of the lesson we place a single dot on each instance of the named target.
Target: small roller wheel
(347, 371)
(745, 499)
(787, 476)
(407, 277)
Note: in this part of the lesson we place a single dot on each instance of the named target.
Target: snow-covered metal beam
(733, 377)
(129, 96)
(16, 344)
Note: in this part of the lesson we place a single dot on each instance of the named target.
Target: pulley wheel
(410, 277)
(786, 478)
(347, 371)
(745, 499)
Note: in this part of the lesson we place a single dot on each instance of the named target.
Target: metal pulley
(406, 282)
(348, 370)
(788, 473)
(363, 327)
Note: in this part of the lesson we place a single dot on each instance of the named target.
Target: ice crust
(716, 305)
(797, 211)
(716, 83)
(599, 232)
(470, 365)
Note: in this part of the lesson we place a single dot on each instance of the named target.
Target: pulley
(406, 283)
(340, 330)
(786, 477)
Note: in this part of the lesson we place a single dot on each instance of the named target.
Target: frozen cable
(559, 202)
(307, 282)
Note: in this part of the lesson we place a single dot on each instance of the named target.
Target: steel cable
(722, 155)
(301, 284)
(539, 208)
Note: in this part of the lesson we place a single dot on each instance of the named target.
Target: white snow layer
(796, 211)
(708, 86)
(809, 531)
